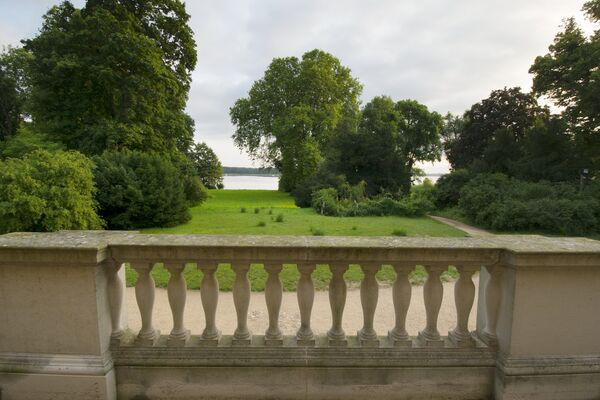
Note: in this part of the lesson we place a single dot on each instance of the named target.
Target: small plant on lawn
(318, 232)
(399, 232)
(261, 223)
(279, 218)
(271, 211)
(256, 210)
(354, 228)
(243, 210)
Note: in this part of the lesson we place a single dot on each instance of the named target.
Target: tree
(139, 190)
(207, 164)
(113, 75)
(389, 139)
(503, 109)
(14, 90)
(47, 191)
(570, 75)
(291, 113)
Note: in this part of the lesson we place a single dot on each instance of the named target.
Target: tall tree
(503, 109)
(389, 140)
(14, 90)
(570, 75)
(292, 111)
(208, 166)
(113, 75)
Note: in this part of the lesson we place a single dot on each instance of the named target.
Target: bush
(47, 191)
(279, 218)
(243, 210)
(448, 187)
(140, 190)
(399, 232)
(193, 189)
(497, 202)
(261, 223)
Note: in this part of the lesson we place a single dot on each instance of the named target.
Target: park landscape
(108, 176)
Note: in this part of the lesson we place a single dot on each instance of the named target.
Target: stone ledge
(297, 356)
(549, 365)
(37, 363)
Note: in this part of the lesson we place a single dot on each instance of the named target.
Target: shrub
(325, 202)
(399, 232)
(318, 232)
(243, 210)
(47, 191)
(279, 218)
(256, 210)
(140, 190)
(448, 187)
(193, 189)
(261, 223)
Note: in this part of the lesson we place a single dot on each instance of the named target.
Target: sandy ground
(290, 317)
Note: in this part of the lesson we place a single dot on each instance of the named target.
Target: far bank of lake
(265, 182)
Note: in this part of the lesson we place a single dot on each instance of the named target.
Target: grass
(289, 276)
(225, 212)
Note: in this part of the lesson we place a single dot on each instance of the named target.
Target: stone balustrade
(63, 322)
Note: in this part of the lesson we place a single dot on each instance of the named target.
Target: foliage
(208, 166)
(193, 189)
(398, 232)
(569, 74)
(113, 75)
(14, 90)
(389, 139)
(47, 191)
(498, 202)
(448, 187)
(509, 110)
(220, 214)
(139, 190)
(291, 113)
(352, 203)
(26, 141)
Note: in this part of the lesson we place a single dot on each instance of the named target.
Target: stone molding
(62, 364)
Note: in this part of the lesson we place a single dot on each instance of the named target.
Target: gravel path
(468, 229)
(290, 316)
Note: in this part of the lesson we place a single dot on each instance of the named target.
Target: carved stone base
(487, 338)
(399, 340)
(117, 339)
(273, 342)
(243, 338)
(461, 340)
(148, 339)
(178, 339)
(305, 342)
(427, 340)
(211, 340)
(367, 340)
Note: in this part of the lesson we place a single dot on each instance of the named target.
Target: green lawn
(222, 214)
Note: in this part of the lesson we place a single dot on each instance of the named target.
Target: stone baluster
(369, 294)
(337, 301)
(492, 305)
(144, 295)
(114, 288)
(241, 301)
(306, 297)
(177, 293)
(209, 293)
(273, 295)
(433, 292)
(464, 295)
(401, 293)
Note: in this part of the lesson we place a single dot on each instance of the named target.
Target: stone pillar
(144, 296)
(492, 299)
(114, 291)
(177, 292)
(241, 301)
(433, 292)
(401, 293)
(464, 295)
(209, 293)
(306, 297)
(337, 301)
(273, 295)
(369, 294)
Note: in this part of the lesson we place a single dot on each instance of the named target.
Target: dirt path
(290, 316)
(470, 230)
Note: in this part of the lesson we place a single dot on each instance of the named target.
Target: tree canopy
(207, 164)
(569, 74)
(292, 112)
(113, 75)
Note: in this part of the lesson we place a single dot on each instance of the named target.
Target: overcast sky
(445, 54)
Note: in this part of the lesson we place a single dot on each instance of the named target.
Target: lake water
(264, 182)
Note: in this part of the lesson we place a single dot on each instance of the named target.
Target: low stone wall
(63, 332)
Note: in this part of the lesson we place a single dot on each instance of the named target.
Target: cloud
(447, 55)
